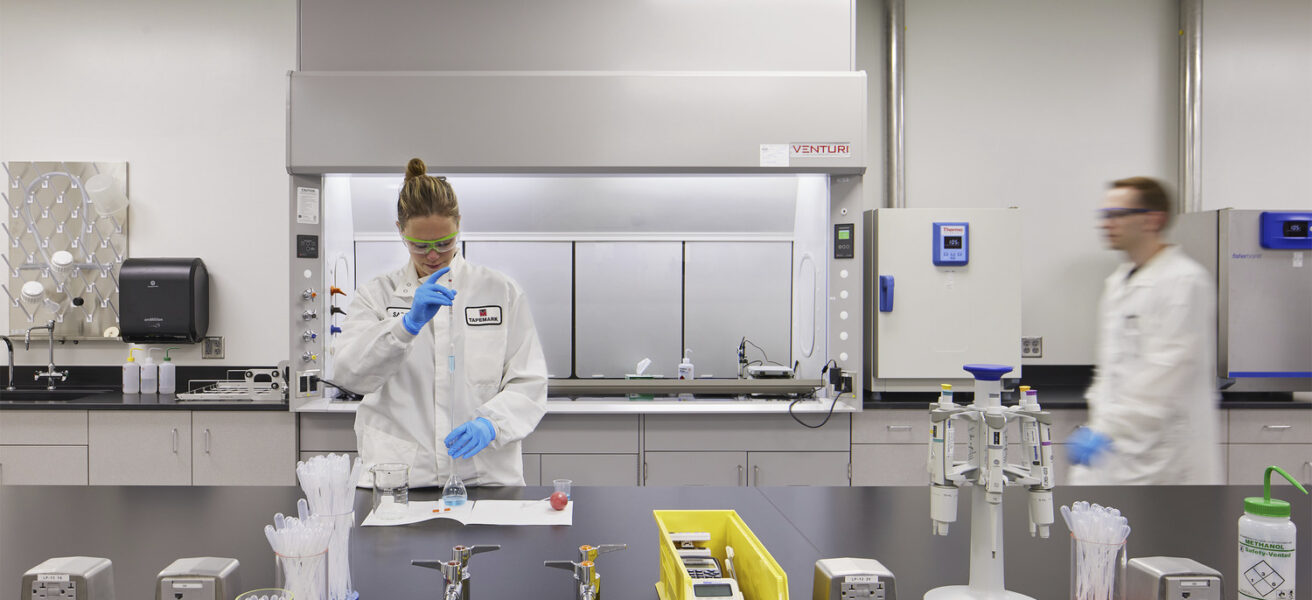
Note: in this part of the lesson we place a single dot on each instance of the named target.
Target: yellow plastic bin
(759, 576)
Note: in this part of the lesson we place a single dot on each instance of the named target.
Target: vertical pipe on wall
(895, 167)
(1191, 109)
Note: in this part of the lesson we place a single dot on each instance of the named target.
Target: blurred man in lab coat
(1153, 402)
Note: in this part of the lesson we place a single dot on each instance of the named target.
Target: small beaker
(339, 557)
(1097, 570)
(306, 577)
(563, 485)
(266, 594)
(391, 490)
(106, 197)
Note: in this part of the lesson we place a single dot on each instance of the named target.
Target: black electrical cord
(812, 395)
(742, 345)
(350, 396)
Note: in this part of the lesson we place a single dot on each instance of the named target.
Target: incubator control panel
(951, 244)
(1286, 230)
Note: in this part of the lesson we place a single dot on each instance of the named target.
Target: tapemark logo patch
(483, 315)
(396, 311)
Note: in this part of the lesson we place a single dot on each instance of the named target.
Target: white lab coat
(500, 374)
(1154, 392)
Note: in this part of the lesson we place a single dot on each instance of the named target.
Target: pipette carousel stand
(987, 471)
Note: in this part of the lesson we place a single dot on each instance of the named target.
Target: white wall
(193, 95)
(1039, 104)
(1257, 104)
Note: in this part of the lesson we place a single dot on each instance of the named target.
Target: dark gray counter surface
(120, 401)
(142, 529)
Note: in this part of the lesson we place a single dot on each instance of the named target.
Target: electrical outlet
(1031, 347)
(212, 347)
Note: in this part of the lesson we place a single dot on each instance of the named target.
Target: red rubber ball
(559, 500)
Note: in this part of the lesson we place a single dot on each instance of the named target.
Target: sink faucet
(9, 384)
(455, 572)
(587, 580)
(50, 373)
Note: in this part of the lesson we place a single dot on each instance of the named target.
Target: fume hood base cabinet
(191, 448)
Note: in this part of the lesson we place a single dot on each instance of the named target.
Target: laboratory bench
(143, 529)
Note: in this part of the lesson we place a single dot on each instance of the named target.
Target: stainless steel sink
(44, 395)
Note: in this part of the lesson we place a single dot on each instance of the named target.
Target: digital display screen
(712, 590)
(952, 242)
(1295, 229)
(844, 234)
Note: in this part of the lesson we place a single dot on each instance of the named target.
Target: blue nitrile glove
(471, 438)
(1086, 445)
(429, 297)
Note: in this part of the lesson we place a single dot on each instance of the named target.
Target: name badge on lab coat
(476, 316)
(396, 311)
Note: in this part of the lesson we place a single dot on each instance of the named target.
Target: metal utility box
(942, 289)
(1262, 261)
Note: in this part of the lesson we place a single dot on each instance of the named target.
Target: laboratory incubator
(1262, 261)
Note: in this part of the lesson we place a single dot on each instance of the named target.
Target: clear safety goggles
(421, 247)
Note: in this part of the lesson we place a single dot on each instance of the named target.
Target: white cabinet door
(132, 447)
(798, 468)
(43, 465)
(591, 469)
(243, 448)
(532, 469)
(695, 468)
(1246, 463)
(890, 464)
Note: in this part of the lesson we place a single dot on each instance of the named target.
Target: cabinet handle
(644, 473)
(1277, 427)
(899, 428)
(175, 440)
(740, 475)
(756, 475)
(207, 441)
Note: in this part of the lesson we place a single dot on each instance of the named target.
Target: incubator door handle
(1277, 427)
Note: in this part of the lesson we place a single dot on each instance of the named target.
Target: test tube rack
(48, 210)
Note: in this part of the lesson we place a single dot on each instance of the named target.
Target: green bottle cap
(1267, 506)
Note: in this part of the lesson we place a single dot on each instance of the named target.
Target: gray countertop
(120, 401)
(142, 529)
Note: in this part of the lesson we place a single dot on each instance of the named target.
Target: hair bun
(415, 168)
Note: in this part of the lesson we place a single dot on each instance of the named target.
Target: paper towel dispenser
(164, 300)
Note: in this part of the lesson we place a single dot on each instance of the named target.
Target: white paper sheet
(481, 512)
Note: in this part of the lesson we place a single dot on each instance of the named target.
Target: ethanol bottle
(131, 374)
(168, 374)
(1266, 544)
(149, 374)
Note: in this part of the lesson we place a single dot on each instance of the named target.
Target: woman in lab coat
(445, 353)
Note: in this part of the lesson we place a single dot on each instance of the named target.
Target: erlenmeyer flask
(453, 493)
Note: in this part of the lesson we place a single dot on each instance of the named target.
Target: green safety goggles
(441, 245)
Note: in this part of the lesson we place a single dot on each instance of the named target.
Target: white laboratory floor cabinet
(942, 290)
